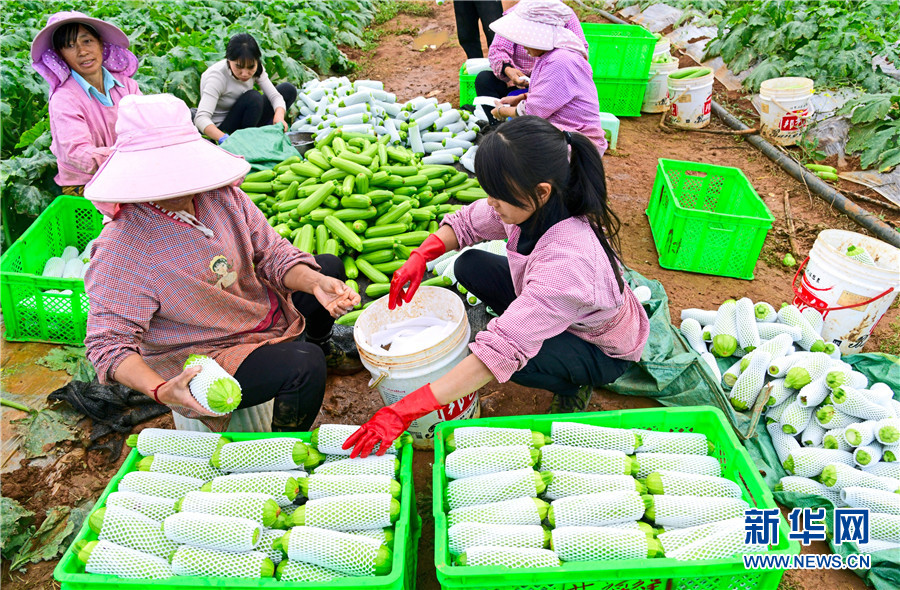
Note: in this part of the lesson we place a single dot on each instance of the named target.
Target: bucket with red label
(784, 110)
(690, 92)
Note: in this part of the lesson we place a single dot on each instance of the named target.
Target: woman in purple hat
(88, 65)
(561, 88)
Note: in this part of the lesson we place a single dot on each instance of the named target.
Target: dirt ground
(630, 174)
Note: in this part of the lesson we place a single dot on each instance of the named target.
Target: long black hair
(244, 50)
(526, 151)
(68, 33)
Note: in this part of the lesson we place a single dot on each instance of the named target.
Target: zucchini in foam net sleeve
(209, 531)
(281, 485)
(268, 454)
(150, 506)
(329, 439)
(165, 485)
(298, 571)
(346, 513)
(674, 483)
(574, 434)
(603, 509)
(372, 465)
(186, 466)
(213, 387)
(485, 436)
(570, 483)
(353, 555)
(511, 557)
(196, 561)
(518, 511)
(681, 443)
(650, 462)
(559, 457)
(589, 543)
(481, 460)
(684, 511)
(318, 486)
(152, 441)
(110, 559)
(469, 534)
(496, 487)
(258, 507)
(131, 529)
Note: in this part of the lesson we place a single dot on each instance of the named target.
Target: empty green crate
(619, 51)
(715, 574)
(622, 98)
(707, 219)
(71, 575)
(31, 314)
(466, 86)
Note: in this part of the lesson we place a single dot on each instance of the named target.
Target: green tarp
(263, 147)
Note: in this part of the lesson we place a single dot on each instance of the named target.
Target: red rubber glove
(389, 422)
(413, 271)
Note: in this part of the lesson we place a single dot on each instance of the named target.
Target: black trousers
(468, 13)
(565, 362)
(487, 84)
(293, 373)
(252, 109)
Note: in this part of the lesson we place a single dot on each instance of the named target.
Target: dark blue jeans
(565, 362)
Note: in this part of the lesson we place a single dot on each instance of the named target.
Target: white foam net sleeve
(804, 485)
(692, 484)
(377, 534)
(196, 561)
(331, 438)
(809, 462)
(470, 534)
(650, 462)
(570, 483)
(518, 511)
(784, 443)
(273, 483)
(511, 557)
(349, 554)
(222, 533)
(356, 511)
(266, 538)
(884, 469)
(298, 571)
(846, 477)
(327, 486)
(678, 538)
(720, 544)
(371, 465)
(111, 559)
(884, 527)
(480, 460)
(686, 511)
(588, 543)
(186, 443)
(603, 509)
(573, 434)
(195, 467)
(268, 454)
(134, 530)
(874, 500)
(210, 374)
(485, 436)
(876, 545)
(237, 505)
(150, 506)
(492, 487)
(165, 485)
(682, 443)
(862, 433)
(559, 457)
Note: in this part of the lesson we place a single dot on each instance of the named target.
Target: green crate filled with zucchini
(250, 510)
(634, 498)
(42, 274)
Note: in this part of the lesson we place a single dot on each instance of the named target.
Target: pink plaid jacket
(160, 288)
(565, 285)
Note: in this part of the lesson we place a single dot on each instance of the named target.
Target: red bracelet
(154, 391)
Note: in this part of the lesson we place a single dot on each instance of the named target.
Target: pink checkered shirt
(565, 284)
(502, 50)
(160, 288)
(562, 91)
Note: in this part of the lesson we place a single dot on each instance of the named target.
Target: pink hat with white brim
(44, 39)
(159, 154)
(539, 24)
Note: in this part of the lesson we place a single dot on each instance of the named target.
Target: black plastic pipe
(821, 189)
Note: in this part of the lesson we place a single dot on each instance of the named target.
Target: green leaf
(15, 528)
(44, 430)
(881, 142)
(889, 159)
(50, 539)
(32, 135)
(795, 30)
(867, 108)
(768, 69)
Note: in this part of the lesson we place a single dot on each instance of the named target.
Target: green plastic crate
(707, 219)
(466, 86)
(621, 97)
(71, 575)
(714, 574)
(619, 51)
(30, 314)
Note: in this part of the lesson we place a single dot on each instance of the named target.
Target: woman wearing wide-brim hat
(88, 66)
(189, 265)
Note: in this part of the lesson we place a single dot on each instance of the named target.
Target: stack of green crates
(707, 219)
(718, 574)
(71, 575)
(620, 57)
(30, 313)
(466, 86)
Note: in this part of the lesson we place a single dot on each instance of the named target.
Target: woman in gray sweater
(228, 98)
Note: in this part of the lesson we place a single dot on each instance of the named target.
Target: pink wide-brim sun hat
(159, 154)
(538, 24)
(44, 39)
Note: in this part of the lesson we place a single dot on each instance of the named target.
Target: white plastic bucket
(395, 376)
(783, 106)
(691, 101)
(656, 96)
(851, 296)
(253, 419)
(662, 46)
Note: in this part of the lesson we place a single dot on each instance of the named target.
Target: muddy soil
(630, 174)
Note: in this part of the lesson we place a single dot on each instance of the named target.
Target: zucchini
(821, 168)
(360, 159)
(348, 319)
(316, 199)
(332, 202)
(379, 196)
(321, 238)
(350, 167)
(321, 213)
(401, 170)
(356, 201)
(339, 229)
(374, 275)
(256, 187)
(317, 158)
(362, 183)
(306, 239)
(378, 256)
(375, 290)
(360, 226)
(391, 229)
(333, 174)
(306, 169)
(331, 247)
(470, 195)
(350, 268)
(396, 212)
(389, 267)
(355, 214)
(413, 238)
(260, 176)
(347, 186)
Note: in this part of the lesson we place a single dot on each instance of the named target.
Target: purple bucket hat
(539, 24)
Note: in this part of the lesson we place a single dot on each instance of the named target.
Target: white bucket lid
(791, 86)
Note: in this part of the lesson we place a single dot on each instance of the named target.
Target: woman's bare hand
(176, 392)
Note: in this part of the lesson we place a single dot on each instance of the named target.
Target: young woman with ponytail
(568, 321)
